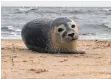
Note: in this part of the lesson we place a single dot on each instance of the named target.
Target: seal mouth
(69, 39)
(73, 39)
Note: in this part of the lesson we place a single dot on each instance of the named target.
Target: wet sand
(20, 63)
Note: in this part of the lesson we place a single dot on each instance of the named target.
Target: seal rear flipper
(42, 50)
(51, 51)
(35, 48)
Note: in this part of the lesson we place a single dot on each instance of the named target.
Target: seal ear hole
(60, 29)
(73, 26)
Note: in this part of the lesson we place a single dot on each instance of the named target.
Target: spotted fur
(51, 36)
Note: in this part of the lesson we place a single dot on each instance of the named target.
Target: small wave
(8, 28)
(72, 11)
(25, 10)
(95, 37)
(107, 23)
(106, 9)
(10, 33)
(5, 33)
(87, 34)
(20, 10)
(18, 30)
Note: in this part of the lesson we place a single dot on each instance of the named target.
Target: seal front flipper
(78, 52)
(73, 52)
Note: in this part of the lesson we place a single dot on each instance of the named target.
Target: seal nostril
(72, 34)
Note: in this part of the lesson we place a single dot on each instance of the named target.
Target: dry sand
(20, 63)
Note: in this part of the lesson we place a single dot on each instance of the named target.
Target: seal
(51, 36)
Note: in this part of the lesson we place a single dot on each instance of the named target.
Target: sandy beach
(20, 63)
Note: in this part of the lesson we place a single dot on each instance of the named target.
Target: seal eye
(60, 29)
(73, 26)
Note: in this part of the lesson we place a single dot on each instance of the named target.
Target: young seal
(51, 36)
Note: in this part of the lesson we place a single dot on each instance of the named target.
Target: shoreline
(81, 37)
(20, 63)
(78, 39)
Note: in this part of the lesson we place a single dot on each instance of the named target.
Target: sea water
(94, 23)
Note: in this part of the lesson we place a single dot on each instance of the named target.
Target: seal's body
(51, 36)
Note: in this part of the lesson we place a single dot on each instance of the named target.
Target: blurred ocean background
(94, 23)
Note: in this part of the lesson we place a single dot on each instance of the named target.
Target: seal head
(65, 29)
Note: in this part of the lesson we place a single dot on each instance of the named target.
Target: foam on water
(10, 30)
(95, 37)
(107, 24)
